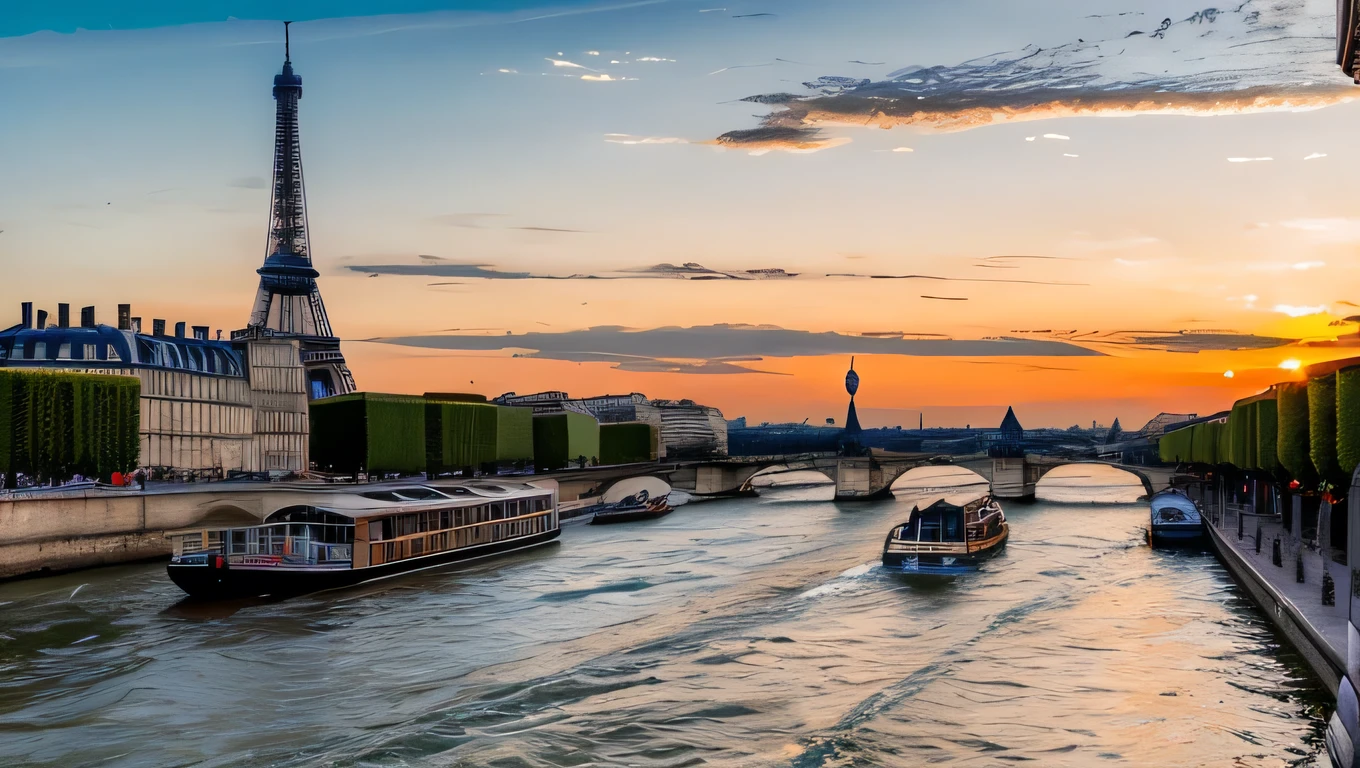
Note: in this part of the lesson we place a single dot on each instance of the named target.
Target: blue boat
(1175, 519)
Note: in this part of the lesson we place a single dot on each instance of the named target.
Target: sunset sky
(1158, 202)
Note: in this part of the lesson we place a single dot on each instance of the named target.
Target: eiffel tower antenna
(287, 56)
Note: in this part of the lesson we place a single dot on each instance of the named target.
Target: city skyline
(461, 180)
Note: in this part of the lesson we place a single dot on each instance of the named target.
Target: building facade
(208, 407)
(684, 428)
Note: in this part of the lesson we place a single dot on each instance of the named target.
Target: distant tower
(1115, 434)
(1009, 439)
(288, 303)
(852, 386)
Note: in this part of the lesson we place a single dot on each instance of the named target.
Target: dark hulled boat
(638, 506)
(326, 538)
(947, 536)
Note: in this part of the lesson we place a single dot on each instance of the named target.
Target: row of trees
(54, 426)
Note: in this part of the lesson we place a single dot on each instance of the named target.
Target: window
(89, 352)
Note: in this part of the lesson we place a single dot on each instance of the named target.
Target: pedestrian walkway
(1322, 626)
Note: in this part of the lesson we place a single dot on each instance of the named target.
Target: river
(750, 632)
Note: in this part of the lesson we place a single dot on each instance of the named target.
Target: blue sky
(27, 16)
(1195, 188)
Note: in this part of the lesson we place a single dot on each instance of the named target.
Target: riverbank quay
(51, 530)
(1288, 587)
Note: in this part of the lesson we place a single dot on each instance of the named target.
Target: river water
(752, 632)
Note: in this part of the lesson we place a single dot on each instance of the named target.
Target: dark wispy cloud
(1255, 56)
(952, 279)
(1175, 341)
(433, 269)
(718, 348)
(438, 266)
(693, 271)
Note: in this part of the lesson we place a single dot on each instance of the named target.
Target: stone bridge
(871, 477)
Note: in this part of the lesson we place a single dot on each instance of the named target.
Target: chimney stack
(179, 330)
(64, 315)
(135, 324)
(87, 317)
(124, 317)
(158, 327)
(201, 332)
(26, 314)
(42, 319)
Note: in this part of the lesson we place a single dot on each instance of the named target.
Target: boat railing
(316, 544)
(474, 534)
(927, 547)
(981, 515)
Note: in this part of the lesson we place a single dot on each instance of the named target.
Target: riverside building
(209, 407)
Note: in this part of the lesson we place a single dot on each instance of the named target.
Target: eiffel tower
(288, 303)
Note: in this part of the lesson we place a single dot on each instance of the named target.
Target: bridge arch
(926, 478)
(1063, 480)
(776, 470)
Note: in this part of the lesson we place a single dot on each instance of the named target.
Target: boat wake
(846, 580)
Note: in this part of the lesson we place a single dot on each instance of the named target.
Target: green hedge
(627, 443)
(463, 434)
(1176, 447)
(1292, 438)
(1322, 425)
(1204, 442)
(1348, 419)
(1242, 436)
(562, 438)
(514, 434)
(1267, 434)
(368, 431)
(55, 425)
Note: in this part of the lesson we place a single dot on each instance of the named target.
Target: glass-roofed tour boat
(323, 538)
(951, 534)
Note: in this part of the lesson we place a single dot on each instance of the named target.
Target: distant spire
(1011, 425)
(852, 420)
(1115, 433)
(287, 56)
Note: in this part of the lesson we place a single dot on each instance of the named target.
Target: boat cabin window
(410, 524)
(934, 524)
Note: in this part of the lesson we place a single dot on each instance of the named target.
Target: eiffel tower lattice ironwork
(288, 303)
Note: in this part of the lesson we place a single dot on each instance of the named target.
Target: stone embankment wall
(54, 531)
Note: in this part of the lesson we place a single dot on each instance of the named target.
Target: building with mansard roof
(209, 407)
